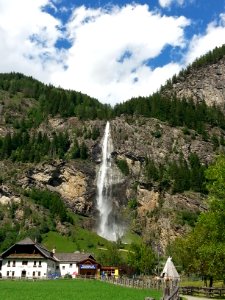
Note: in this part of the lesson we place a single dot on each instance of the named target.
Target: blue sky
(110, 50)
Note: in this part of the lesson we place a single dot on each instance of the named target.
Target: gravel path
(196, 298)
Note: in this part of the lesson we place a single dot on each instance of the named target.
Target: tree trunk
(210, 281)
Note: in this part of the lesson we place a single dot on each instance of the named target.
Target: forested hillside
(50, 152)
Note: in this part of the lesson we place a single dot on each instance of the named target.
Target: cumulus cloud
(213, 37)
(111, 48)
(167, 3)
(28, 36)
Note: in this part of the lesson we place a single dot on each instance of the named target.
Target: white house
(76, 264)
(28, 259)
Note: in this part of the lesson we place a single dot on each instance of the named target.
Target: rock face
(137, 140)
(167, 216)
(74, 182)
(7, 196)
(159, 216)
(206, 83)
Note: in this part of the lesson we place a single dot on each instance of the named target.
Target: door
(23, 274)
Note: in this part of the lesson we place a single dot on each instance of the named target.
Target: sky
(112, 51)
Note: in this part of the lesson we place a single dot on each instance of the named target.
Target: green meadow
(71, 289)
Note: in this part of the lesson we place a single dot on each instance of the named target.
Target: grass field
(85, 240)
(70, 290)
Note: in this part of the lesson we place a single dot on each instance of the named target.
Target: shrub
(123, 166)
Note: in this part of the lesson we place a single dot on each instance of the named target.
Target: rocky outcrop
(206, 82)
(167, 216)
(73, 181)
(143, 137)
(7, 196)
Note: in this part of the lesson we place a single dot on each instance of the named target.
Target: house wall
(27, 268)
(68, 268)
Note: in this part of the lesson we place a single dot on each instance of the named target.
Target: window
(7, 273)
(14, 263)
(71, 265)
(63, 267)
(8, 265)
(39, 274)
(57, 267)
(39, 265)
(33, 273)
(35, 264)
(13, 273)
(24, 262)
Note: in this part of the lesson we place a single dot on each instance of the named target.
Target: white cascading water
(107, 227)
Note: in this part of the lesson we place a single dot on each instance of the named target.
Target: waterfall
(107, 227)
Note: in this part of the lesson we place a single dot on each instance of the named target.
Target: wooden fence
(135, 283)
(205, 291)
(174, 294)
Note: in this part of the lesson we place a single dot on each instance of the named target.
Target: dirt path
(196, 298)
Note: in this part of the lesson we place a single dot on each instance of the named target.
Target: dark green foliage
(51, 201)
(83, 151)
(212, 57)
(177, 112)
(111, 257)
(132, 204)
(75, 151)
(157, 134)
(95, 133)
(52, 101)
(179, 175)
(188, 217)
(197, 173)
(216, 142)
(141, 258)
(20, 146)
(123, 166)
(202, 251)
(8, 235)
(151, 170)
(79, 151)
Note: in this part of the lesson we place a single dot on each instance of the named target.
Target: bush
(123, 166)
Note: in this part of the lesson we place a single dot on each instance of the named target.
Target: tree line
(177, 112)
(178, 176)
(51, 100)
(25, 146)
(202, 251)
(211, 57)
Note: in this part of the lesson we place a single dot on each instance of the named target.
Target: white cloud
(110, 48)
(167, 3)
(213, 37)
(28, 36)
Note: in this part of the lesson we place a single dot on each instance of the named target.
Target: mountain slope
(203, 80)
(50, 142)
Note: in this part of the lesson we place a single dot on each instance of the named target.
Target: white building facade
(27, 268)
(28, 259)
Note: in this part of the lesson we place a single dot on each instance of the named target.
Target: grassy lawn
(200, 283)
(85, 240)
(71, 289)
